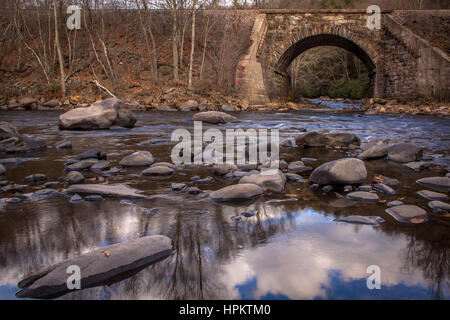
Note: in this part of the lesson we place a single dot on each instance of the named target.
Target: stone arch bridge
(401, 64)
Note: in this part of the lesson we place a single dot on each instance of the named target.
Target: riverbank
(181, 99)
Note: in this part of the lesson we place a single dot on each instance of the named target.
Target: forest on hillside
(134, 49)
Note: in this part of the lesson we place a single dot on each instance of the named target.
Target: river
(291, 249)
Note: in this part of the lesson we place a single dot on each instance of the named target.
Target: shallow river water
(291, 249)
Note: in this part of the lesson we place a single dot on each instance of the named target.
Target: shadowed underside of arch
(315, 41)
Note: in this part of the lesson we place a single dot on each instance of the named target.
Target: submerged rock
(404, 152)
(342, 171)
(408, 213)
(94, 198)
(138, 159)
(101, 115)
(238, 192)
(371, 220)
(362, 196)
(109, 190)
(275, 182)
(431, 195)
(101, 166)
(437, 183)
(97, 267)
(214, 117)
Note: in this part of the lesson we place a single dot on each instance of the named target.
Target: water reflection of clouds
(302, 262)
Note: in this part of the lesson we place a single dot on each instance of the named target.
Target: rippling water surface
(291, 249)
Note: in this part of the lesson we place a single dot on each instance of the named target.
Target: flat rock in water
(371, 220)
(81, 165)
(97, 267)
(395, 203)
(223, 169)
(275, 182)
(138, 159)
(214, 117)
(362, 196)
(35, 177)
(342, 171)
(418, 165)
(107, 190)
(431, 195)
(408, 213)
(93, 198)
(384, 189)
(437, 183)
(163, 164)
(65, 144)
(238, 192)
(439, 207)
(158, 171)
(292, 177)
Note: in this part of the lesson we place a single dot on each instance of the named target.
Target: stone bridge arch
(346, 40)
(401, 63)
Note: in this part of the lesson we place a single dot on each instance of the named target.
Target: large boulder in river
(269, 181)
(214, 117)
(97, 267)
(342, 171)
(100, 115)
(138, 159)
(11, 141)
(237, 192)
(404, 152)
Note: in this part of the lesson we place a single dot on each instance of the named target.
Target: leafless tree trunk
(191, 60)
